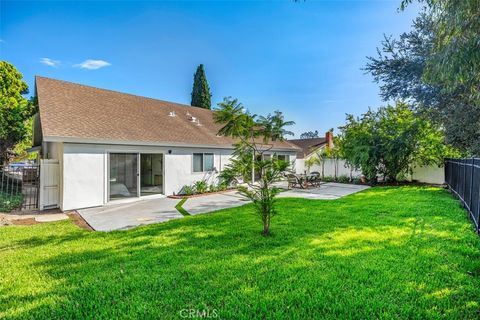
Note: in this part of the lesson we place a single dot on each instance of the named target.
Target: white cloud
(93, 64)
(50, 62)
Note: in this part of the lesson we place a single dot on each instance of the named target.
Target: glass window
(197, 162)
(284, 157)
(123, 175)
(208, 162)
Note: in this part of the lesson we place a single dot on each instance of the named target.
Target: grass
(180, 208)
(391, 252)
(10, 202)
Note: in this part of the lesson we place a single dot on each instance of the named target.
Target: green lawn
(399, 253)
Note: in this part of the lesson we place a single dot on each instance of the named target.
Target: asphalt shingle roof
(307, 145)
(70, 110)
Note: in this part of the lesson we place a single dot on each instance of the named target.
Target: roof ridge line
(118, 92)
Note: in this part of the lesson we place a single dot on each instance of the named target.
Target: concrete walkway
(214, 202)
(128, 215)
(132, 214)
(8, 219)
(146, 211)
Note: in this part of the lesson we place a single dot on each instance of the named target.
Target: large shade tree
(15, 111)
(435, 68)
(255, 135)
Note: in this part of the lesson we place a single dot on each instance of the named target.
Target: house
(308, 148)
(98, 146)
(312, 145)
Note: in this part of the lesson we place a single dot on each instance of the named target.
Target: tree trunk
(266, 225)
(266, 229)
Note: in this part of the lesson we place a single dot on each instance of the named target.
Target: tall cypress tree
(201, 91)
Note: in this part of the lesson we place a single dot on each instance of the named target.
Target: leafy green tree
(15, 111)
(201, 96)
(435, 68)
(309, 135)
(454, 58)
(390, 141)
(255, 136)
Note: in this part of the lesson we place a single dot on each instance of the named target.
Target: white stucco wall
(85, 170)
(83, 176)
(179, 167)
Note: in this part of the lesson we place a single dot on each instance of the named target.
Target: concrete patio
(147, 211)
(327, 191)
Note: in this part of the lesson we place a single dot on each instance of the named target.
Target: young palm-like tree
(255, 136)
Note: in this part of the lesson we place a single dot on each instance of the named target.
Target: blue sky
(302, 58)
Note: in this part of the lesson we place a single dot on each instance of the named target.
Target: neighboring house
(105, 145)
(309, 148)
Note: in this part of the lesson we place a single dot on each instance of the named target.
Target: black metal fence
(463, 178)
(19, 187)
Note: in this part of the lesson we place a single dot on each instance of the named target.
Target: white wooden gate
(49, 184)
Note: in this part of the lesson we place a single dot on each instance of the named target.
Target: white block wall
(431, 174)
(330, 167)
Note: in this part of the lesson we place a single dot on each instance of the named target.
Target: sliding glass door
(123, 175)
(133, 175)
(151, 177)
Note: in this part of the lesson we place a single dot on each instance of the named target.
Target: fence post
(445, 170)
(471, 184)
(478, 206)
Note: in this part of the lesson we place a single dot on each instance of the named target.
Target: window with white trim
(202, 162)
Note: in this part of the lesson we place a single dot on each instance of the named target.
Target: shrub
(343, 179)
(187, 190)
(213, 188)
(328, 179)
(200, 186)
(357, 180)
(222, 186)
(228, 176)
(10, 202)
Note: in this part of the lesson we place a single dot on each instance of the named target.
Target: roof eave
(145, 143)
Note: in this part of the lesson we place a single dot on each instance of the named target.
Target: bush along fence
(19, 187)
(463, 178)
(10, 189)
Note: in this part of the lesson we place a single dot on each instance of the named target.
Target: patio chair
(314, 179)
(293, 181)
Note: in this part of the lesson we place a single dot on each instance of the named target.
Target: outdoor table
(302, 179)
